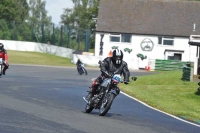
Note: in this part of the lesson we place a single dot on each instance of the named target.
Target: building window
(115, 38)
(166, 41)
(170, 57)
(125, 38)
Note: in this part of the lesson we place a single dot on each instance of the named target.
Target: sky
(55, 8)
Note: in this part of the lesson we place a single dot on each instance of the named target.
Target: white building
(152, 28)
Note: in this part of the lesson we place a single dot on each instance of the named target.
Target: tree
(13, 10)
(39, 21)
(38, 12)
(80, 16)
(12, 14)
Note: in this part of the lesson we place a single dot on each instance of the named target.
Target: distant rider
(110, 65)
(78, 64)
(4, 56)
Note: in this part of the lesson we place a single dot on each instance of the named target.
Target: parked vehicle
(81, 69)
(105, 95)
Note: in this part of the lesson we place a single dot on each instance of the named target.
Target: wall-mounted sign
(128, 50)
(114, 47)
(147, 45)
(141, 56)
(101, 45)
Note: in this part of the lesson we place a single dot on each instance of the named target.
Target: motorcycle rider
(4, 56)
(108, 66)
(78, 64)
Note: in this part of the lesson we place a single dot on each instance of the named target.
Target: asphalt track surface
(37, 99)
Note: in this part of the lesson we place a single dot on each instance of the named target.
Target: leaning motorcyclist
(108, 66)
(4, 56)
(78, 64)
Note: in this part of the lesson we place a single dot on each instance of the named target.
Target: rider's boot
(91, 92)
(4, 69)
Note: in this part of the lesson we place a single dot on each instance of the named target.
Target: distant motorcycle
(105, 95)
(1, 66)
(81, 69)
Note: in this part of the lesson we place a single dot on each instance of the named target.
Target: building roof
(149, 17)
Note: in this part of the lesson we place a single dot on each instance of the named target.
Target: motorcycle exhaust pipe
(85, 100)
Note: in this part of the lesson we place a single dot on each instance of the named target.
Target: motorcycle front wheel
(80, 72)
(88, 108)
(1, 69)
(106, 104)
(85, 71)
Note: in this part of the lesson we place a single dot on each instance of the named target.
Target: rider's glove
(126, 82)
(108, 75)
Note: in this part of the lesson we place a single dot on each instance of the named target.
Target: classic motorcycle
(1, 66)
(105, 95)
(81, 69)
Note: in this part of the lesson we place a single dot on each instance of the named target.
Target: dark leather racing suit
(108, 66)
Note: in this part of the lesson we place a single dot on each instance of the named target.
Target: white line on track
(159, 110)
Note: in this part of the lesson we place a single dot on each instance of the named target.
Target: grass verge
(167, 92)
(21, 57)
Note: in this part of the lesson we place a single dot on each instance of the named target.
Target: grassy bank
(167, 92)
(164, 91)
(20, 57)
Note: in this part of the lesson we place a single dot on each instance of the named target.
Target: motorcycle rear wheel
(106, 104)
(1, 69)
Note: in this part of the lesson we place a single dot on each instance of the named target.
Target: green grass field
(20, 57)
(163, 90)
(167, 92)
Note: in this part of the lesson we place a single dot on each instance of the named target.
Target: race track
(38, 99)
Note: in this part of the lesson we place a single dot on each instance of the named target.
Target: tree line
(27, 20)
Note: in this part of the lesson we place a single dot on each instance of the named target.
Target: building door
(177, 56)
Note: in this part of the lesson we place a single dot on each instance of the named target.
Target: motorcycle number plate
(117, 78)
